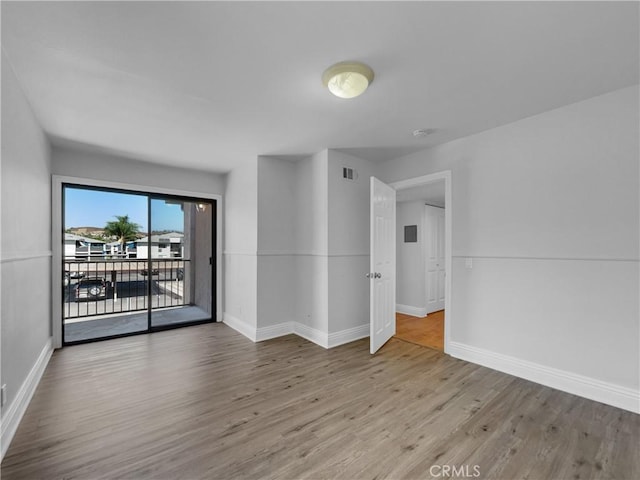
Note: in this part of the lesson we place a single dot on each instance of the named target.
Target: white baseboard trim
(413, 311)
(604, 392)
(240, 326)
(274, 331)
(287, 328)
(312, 334)
(348, 335)
(12, 415)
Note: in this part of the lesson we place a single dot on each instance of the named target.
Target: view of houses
(79, 245)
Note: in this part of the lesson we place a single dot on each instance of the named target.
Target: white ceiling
(210, 84)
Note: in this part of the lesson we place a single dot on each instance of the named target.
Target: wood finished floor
(426, 331)
(205, 403)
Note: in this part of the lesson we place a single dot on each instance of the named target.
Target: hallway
(425, 331)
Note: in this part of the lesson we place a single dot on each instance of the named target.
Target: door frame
(448, 215)
(57, 230)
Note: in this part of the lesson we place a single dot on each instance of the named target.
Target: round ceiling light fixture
(347, 79)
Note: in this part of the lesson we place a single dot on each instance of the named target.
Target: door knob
(377, 275)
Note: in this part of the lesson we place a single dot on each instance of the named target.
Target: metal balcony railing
(115, 286)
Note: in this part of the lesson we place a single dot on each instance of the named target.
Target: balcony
(111, 297)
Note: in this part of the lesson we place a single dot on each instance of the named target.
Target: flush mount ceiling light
(347, 79)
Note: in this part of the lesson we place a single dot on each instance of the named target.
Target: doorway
(423, 251)
(135, 262)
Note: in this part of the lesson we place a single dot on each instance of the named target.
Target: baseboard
(279, 330)
(348, 335)
(413, 311)
(287, 328)
(240, 326)
(604, 392)
(274, 331)
(13, 414)
(312, 334)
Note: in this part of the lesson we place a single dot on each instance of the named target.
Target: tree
(123, 229)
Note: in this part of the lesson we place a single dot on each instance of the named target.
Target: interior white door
(382, 271)
(434, 254)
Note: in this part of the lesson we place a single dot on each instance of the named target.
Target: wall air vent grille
(349, 173)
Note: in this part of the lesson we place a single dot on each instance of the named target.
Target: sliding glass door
(181, 261)
(135, 262)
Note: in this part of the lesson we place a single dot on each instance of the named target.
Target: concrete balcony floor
(88, 328)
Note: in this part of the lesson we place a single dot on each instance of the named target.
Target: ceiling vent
(349, 173)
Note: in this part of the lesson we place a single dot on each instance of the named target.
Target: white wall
(313, 204)
(313, 249)
(276, 263)
(25, 288)
(548, 210)
(86, 162)
(348, 247)
(410, 269)
(312, 243)
(241, 242)
(277, 279)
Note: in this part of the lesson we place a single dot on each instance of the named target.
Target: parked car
(76, 274)
(91, 289)
(153, 272)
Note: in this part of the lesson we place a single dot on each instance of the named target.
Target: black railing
(102, 287)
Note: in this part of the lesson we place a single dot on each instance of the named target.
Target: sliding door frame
(57, 235)
(213, 258)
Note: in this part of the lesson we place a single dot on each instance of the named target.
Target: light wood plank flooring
(426, 331)
(205, 403)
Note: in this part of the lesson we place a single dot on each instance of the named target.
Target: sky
(94, 208)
